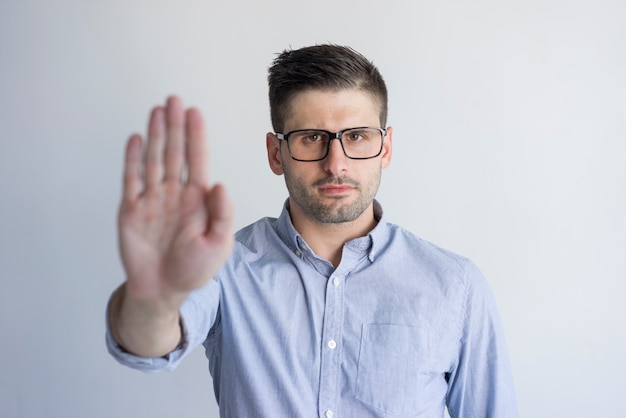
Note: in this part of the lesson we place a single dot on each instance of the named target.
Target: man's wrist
(144, 328)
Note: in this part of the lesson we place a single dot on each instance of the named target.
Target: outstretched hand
(175, 231)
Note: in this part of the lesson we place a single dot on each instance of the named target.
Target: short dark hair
(324, 67)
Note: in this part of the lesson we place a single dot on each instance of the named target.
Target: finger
(132, 169)
(220, 210)
(174, 145)
(196, 149)
(154, 152)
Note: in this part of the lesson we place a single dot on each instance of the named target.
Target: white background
(509, 146)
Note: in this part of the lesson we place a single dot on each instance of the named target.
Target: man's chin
(335, 214)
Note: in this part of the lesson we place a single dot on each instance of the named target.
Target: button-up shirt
(400, 328)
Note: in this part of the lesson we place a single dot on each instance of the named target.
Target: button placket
(331, 334)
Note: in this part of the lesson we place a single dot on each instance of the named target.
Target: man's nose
(335, 161)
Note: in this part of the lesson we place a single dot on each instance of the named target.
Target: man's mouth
(336, 189)
(336, 186)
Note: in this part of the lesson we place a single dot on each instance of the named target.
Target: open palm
(174, 230)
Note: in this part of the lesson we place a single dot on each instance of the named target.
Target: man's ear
(272, 144)
(387, 148)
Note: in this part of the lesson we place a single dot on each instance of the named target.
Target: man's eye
(313, 138)
(355, 137)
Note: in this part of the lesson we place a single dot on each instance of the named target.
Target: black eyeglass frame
(331, 136)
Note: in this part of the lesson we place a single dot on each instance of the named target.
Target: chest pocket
(396, 372)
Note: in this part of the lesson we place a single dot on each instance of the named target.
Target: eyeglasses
(314, 144)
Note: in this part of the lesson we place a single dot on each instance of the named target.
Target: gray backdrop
(509, 146)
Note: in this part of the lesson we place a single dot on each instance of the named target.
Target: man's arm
(175, 231)
(481, 384)
(141, 329)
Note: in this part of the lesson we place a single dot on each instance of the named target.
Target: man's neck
(327, 239)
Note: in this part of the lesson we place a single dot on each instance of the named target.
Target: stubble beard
(332, 210)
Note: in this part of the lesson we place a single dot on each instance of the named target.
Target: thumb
(220, 213)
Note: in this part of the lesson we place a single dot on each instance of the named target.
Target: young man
(328, 310)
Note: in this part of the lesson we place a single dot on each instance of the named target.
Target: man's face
(337, 189)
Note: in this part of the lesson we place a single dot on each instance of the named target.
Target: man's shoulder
(261, 225)
(257, 235)
(423, 251)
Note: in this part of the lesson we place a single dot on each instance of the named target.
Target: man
(328, 310)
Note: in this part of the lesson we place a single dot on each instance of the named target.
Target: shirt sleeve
(197, 313)
(481, 383)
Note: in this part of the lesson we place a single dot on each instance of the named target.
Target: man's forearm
(143, 328)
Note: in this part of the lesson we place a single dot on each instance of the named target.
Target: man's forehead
(324, 100)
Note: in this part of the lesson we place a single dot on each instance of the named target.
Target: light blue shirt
(401, 328)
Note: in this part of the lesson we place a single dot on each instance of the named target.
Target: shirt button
(298, 253)
(329, 413)
(336, 281)
(332, 344)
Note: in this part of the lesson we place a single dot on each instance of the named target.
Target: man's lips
(336, 189)
(336, 186)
